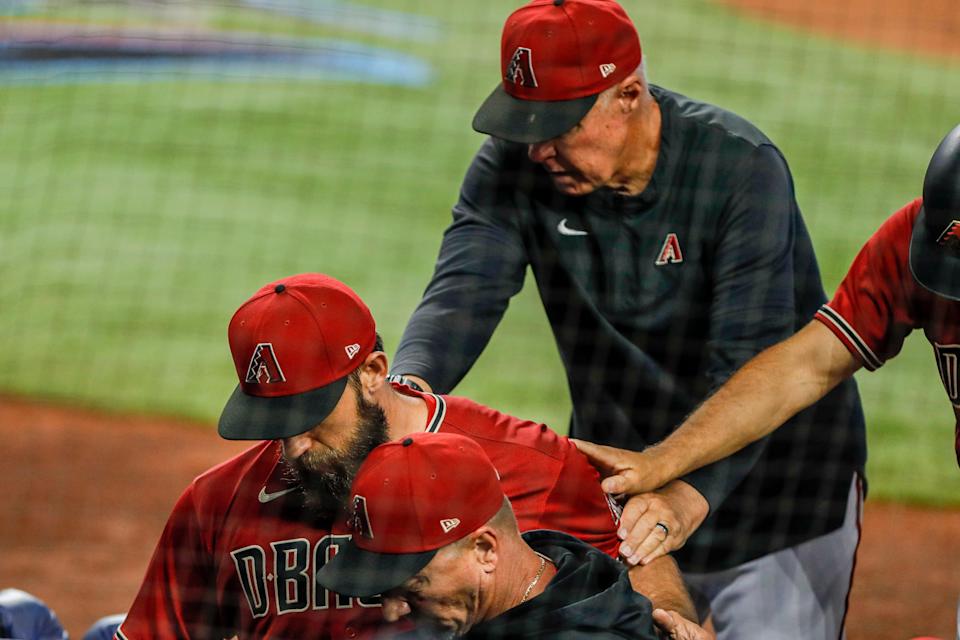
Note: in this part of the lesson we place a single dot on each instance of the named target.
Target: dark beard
(326, 476)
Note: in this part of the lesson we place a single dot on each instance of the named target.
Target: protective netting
(161, 160)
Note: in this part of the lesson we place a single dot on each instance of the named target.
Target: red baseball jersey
(237, 558)
(879, 303)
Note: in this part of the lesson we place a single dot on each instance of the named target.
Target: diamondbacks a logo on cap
(949, 238)
(607, 69)
(361, 519)
(520, 69)
(264, 362)
(449, 524)
(352, 350)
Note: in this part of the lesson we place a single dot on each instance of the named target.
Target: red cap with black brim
(556, 57)
(294, 344)
(410, 498)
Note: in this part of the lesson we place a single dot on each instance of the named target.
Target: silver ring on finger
(666, 529)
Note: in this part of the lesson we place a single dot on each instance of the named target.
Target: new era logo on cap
(607, 69)
(449, 524)
(352, 350)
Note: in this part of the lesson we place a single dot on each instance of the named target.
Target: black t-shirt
(654, 301)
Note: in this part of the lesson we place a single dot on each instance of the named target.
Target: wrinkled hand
(623, 471)
(679, 628)
(656, 523)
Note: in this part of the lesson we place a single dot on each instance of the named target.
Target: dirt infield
(90, 494)
(921, 26)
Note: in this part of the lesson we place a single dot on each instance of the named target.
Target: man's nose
(394, 609)
(295, 446)
(540, 151)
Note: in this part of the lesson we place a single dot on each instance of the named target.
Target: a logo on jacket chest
(670, 252)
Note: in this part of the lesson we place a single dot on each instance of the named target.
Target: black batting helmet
(935, 244)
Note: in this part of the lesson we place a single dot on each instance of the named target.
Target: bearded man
(240, 552)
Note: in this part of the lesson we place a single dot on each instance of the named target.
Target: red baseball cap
(557, 56)
(294, 344)
(410, 498)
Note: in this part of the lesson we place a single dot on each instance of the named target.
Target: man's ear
(629, 93)
(486, 548)
(373, 373)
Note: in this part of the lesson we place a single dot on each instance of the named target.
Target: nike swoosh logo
(567, 231)
(265, 497)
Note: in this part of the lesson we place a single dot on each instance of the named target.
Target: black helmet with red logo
(935, 244)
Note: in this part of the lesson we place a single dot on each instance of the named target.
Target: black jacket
(654, 301)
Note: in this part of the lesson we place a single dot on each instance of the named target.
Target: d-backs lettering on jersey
(238, 557)
(879, 303)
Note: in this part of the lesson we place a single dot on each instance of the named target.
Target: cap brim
(359, 573)
(529, 121)
(935, 268)
(247, 417)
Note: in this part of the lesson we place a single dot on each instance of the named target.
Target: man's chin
(325, 495)
(571, 186)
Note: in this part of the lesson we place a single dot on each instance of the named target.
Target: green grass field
(136, 217)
